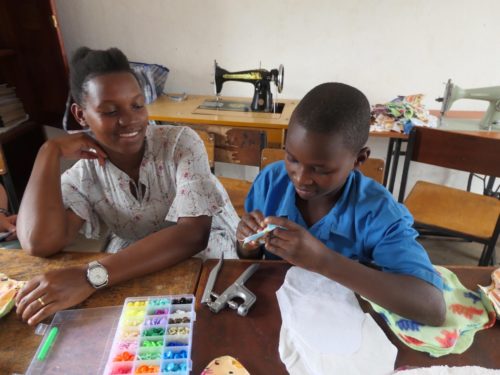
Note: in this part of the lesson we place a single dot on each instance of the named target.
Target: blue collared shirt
(366, 224)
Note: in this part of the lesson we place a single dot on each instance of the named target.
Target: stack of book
(11, 109)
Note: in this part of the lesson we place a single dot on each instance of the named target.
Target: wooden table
(18, 342)
(254, 339)
(187, 112)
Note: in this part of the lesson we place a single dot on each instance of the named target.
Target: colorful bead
(149, 356)
(156, 331)
(182, 301)
(126, 334)
(176, 343)
(178, 330)
(124, 356)
(171, 366)
(135, 313)
(174, 367)
(125, 345)
(160, 302)
(170, 354)
(160, 312)
(121, 370)
(133, 322)
(181, 354)
(147, 369)
(179, 320)
(155, 321)
(150, 343)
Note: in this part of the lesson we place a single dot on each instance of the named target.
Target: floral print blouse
(174, 181)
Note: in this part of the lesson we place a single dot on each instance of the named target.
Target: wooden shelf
(6, 52)
(11, 132)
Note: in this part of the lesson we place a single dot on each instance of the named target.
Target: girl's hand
(51, 292)
(294, 244)
(79, 146)
(250, 223)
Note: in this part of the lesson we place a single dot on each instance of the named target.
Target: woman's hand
(8, 224)
(249, 224)
(78, 146)
(51, 292)
(294, 244)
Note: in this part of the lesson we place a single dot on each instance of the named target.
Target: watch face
(98, 276)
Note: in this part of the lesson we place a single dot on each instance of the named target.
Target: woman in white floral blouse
(151, 186)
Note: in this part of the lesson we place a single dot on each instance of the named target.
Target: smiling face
(114, 109)
(318, 163)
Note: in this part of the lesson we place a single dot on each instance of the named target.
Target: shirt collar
(340, 218)
(287, 207)
(338, 221)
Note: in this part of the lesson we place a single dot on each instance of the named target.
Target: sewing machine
(261, 79)
(453, 92)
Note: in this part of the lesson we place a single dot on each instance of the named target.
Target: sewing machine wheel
(215, 76)
(281, 77)
(447, 97)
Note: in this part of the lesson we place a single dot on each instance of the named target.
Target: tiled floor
(446, 251)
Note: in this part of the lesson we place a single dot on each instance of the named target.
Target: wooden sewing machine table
(254, 339)
(18, 342)
(187, 112)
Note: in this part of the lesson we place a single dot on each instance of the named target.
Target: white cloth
(324, 331)
(445, 370)
(319, 309)
(174, 181)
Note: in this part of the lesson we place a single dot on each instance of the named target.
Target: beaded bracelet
(4, 211)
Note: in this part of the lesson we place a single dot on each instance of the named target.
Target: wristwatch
(97, 275)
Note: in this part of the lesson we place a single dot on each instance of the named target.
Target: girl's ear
(77, 112)
(363, 156)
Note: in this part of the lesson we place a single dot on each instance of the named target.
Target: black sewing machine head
(262, 99)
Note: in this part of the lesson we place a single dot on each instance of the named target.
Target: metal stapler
(216, 302)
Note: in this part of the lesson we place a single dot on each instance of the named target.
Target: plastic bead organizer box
(153, 336)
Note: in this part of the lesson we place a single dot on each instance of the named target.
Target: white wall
(385, 48)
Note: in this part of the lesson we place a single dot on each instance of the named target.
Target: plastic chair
(442, 210)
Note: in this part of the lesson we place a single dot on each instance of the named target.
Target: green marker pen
(48, 343)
